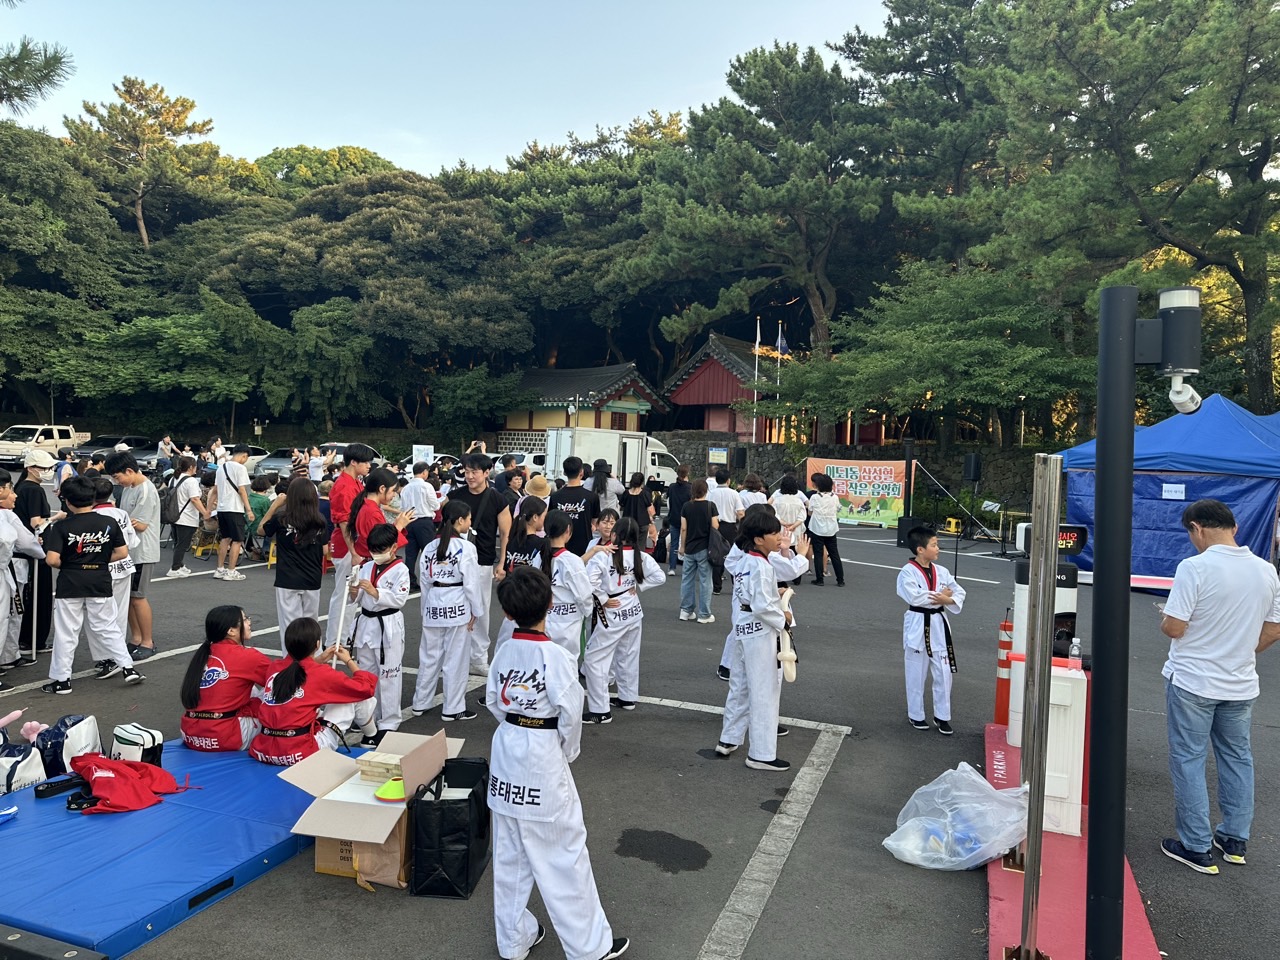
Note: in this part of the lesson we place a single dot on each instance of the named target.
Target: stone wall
(1006, 474)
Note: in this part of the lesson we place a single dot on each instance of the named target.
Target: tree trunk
(34, 396)
(231, 426)
(409, 423)
(138, 218)
(1258, 361)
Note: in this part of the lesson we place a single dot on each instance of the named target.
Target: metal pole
(1113, 543)
(1047, 496)
(909, 453)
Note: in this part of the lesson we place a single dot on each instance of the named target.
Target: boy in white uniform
(930, 592)
(15, 539)
(379, 631)
(538, 832)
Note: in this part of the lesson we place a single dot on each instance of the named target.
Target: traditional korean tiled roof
(557, 387)
(737, 356)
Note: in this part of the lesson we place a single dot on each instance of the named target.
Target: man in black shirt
(33, 509)
(582, 506)
(678, 494)
(490, 528)
(83, 546)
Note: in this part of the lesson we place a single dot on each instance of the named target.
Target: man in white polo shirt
(1223, 609)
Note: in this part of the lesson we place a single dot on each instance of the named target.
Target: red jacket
(370, 516)
(122, 785)
(226, 687)
(322, 684)
(345, 490)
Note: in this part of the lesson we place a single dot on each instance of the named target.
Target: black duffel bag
(451, 836)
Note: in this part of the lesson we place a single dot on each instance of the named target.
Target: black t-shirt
(486, 507)
(583, 507)
(84, 542)
(636, 506)
(697, 516)
(31, 501)
(678, 494)
(527, 551)
(299, 566)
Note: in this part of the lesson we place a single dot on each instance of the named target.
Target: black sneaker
(819, 583)
(464, 715)
(5, 686)
(619, 947)
(783, 731)
(722, 672)
(775, 765)
(724, 749)
(25, 661)
(372, 741)
(57, 686)
(542, 932)
(131, 676)
(137, 652)
(918, 724)
(944, 727)
(622, 704)
(1232, 849)
(106, 668)
(1200, 862)
(589, 717)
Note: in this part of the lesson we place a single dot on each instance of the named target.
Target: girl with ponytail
(616, 581)
(570, 586)
(217, 689)
(452, 599)
(308, 705)
(526, 547)
(380, 488)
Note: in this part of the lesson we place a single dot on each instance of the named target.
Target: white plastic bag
(958, 822)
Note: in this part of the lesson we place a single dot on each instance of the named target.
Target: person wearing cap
(603, 484)
(32, 508)
(15, 539)
(234, 510)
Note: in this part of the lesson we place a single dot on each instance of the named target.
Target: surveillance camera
(1183, 396)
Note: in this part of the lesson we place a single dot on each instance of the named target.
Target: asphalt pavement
(698, 856)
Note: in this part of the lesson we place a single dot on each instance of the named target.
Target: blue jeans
(673, 549)
(1195, 723)
(696, 575)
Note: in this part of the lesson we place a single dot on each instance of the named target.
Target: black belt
(614, 596)
(744, 607)
(533, 723)
(379, 615)
(927, 613)
(437, 583)
(295, 732)
(207, 715)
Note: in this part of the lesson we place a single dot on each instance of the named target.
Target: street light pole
(1022, 420)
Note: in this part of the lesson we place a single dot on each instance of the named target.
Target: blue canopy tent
(1221, 451)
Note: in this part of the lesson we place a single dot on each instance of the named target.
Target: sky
(424, 84)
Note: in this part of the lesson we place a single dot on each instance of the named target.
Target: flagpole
(755, 394)
(777, 379)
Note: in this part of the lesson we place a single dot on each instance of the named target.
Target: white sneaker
(233, 575)
(671, 573)
(179, 573)
(220, 573)
(688, 615)
(709, 618)
(479, 670)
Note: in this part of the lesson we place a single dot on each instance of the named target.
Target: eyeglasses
(246, 620)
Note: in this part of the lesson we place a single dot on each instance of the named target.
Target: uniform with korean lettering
(452, 599)
(526, 547)
(379, 639)
(785, 567)
(538, 830)
(755, 677)
(570, 600)
(616, 582)
(931, 593)
(293, 729)
(225, 718)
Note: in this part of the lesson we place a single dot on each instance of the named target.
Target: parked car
(340, 446)
(106, 444)
(51, 438)
(279, 462)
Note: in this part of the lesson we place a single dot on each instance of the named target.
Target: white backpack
(133, 741)
(20, 766)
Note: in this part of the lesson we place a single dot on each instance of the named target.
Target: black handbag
(717, 547)
(451, 836)
(660, 548)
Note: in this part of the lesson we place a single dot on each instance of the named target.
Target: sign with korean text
(871, 492)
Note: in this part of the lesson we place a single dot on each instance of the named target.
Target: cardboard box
(356, 834)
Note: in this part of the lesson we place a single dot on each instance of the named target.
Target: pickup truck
(18, 439)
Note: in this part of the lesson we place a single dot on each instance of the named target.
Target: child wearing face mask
(379, 628)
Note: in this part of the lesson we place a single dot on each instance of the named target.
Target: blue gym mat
(112, 882)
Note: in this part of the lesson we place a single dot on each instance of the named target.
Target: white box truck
(626, 452)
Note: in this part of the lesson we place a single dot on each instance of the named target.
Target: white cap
(38, 458)
(122, 447)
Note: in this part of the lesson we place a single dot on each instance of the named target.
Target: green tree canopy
(30, 70)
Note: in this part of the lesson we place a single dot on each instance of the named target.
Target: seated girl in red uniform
(218, 689)
(308, 705)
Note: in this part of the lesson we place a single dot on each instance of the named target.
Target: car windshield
(20, 434)
(284, 453)
(107, 441)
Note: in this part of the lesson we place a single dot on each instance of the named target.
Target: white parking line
(203, 573)
(886, 566)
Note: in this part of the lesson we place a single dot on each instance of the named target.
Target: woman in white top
(752, 491)
(791, 510)
(824, 508)
(187, 489)
(603, 485)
